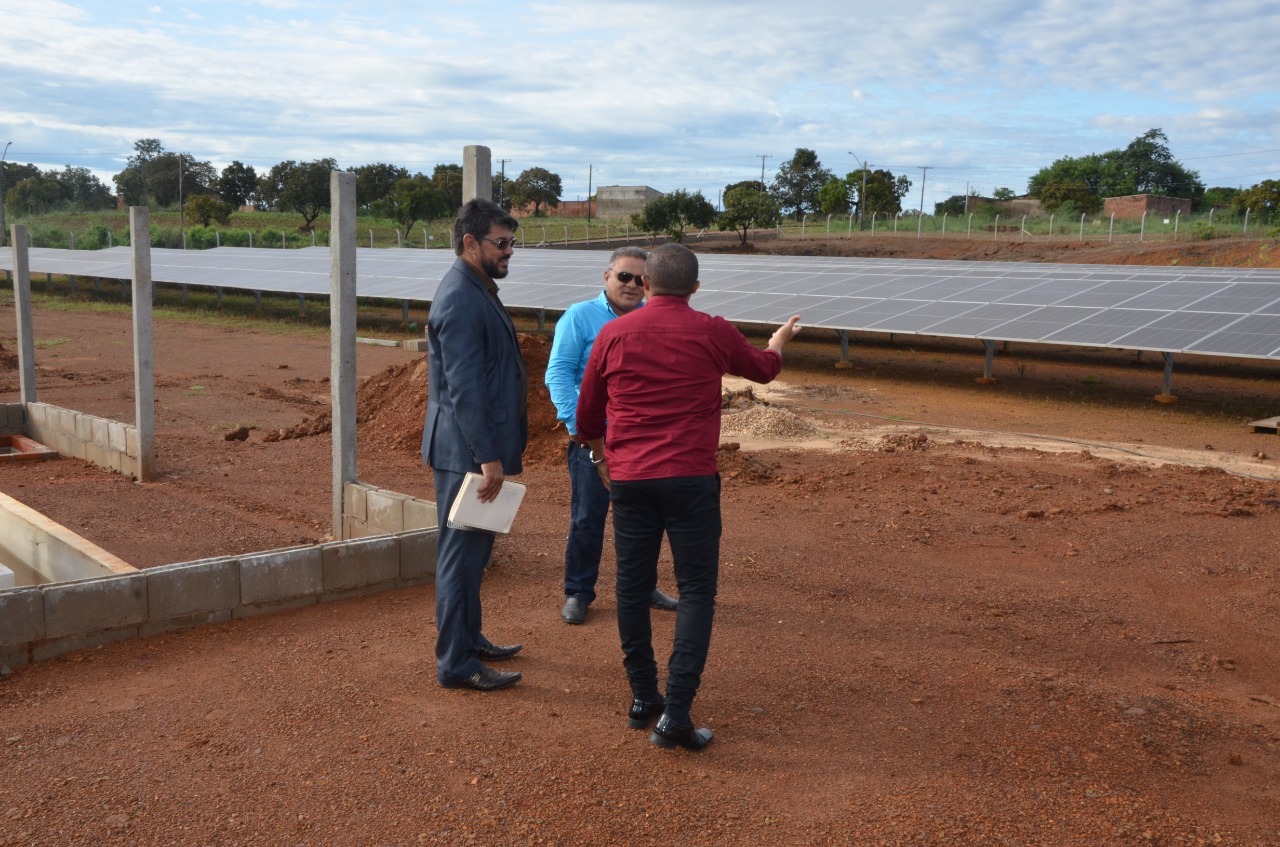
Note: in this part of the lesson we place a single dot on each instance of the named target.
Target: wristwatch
(594, 460)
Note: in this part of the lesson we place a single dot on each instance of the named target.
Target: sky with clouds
(667, 93)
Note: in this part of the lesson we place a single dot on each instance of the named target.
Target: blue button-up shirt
(576, 332)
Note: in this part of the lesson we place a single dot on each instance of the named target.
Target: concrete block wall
(368, 510)
(109, 444)
(1133, 205)
(13, 419)
(45, 621)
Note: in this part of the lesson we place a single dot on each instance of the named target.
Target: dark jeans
(687, 509)
(588, 510)
(461, 556)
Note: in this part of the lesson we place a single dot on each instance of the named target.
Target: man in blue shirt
(589, 500)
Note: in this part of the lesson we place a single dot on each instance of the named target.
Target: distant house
(1134, 205)
(620, 201)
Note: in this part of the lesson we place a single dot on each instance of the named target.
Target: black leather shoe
(643, 712)
(663, 602)
(574, 611)
(670, 735)
(485, 679)
(490, 652)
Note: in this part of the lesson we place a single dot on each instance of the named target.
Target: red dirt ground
(1041, 612)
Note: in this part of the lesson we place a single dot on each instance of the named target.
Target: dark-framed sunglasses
(626, 277)
(502, 243)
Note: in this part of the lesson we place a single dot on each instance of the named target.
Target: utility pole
(862, 197)
(182, 229)
(3, 234)
(763, 156)
(589, 170)
(923, 179)
(502, 178)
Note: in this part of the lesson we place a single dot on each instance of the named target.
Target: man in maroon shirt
(654, 375)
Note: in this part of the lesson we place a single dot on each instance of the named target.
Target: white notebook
(468, 512)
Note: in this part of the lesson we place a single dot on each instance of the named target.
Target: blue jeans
(461, 556)
(687, 510)
(588, 510)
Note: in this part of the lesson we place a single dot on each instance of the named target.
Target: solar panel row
(1219, 311)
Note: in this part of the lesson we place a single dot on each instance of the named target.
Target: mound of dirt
(391, 408)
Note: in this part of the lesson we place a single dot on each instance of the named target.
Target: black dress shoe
(574, 611)
(485, 679)
(490, 652)
(670, 735)
(643, 712)
(663, 602)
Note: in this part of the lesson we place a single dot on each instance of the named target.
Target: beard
(495, 268)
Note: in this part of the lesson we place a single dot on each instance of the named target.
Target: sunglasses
(626, 277)
(502, 243)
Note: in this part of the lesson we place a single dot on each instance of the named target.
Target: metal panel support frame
(988, 366)
(844, 363)
(1164, 396)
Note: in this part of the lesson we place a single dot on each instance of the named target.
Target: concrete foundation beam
(288, 576)
(358, 564)
(107, 603)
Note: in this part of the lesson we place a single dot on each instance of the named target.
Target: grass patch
(275, 314)
(46, 343)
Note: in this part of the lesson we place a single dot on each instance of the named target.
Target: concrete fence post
(342, 336)
(144, 384)
(21, 246)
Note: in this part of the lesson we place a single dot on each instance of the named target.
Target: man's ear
(697, 283)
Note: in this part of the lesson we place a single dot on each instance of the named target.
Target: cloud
(688, 95)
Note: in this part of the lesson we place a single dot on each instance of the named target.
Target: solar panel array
(1218, 311)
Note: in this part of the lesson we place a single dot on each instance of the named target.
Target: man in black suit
(476, 422)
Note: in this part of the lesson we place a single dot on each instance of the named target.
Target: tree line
(802, 186)
(153, 176)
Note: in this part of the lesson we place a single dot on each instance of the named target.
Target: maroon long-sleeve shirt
(654, 376)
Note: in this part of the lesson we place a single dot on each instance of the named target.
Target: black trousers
(461, 556)
(687, 510)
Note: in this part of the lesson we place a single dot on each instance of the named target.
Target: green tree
(81, 190)
(34, 195)
(798, 182)
(1144, 167)
(1261, 200)
(747, 206)
(537, 186)
(300, 186)
(884, 192)
(205, 209)
(132, 182)
(1003, 193)
(749, 184)
(953, 205)
(502, 190)
(238, 184)
(448, 178)
(171, 174)
(375, 181)
(1220, 196)
(833, 198)
(15, 173)
(413, 199)
(673, 213)
(1075, 195)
